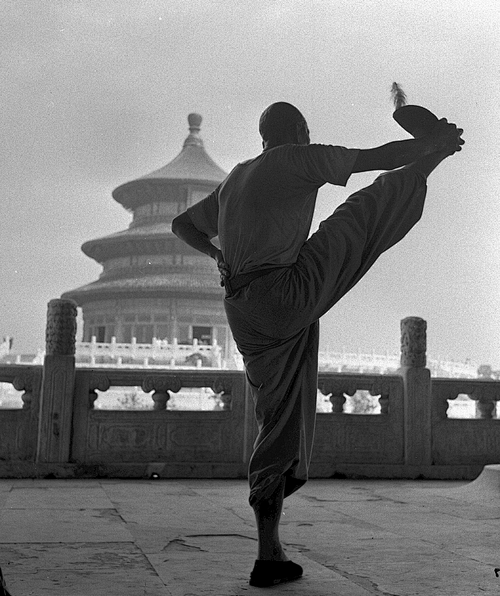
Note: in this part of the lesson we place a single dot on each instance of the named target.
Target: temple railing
(171, 354)
(386, 426)
(213, 443)
(465, 441)
(19, 426)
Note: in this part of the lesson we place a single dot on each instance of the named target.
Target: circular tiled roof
(193, 164)
(156, 237)
(168, 283)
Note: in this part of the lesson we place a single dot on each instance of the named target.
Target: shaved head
(281, 123)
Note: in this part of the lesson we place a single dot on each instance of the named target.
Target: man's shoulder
(310, 149)
(247, 162)
(289, 149)
(320, 148)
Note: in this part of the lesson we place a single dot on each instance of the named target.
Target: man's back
(266, 204)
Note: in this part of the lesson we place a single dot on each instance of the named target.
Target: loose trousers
(275, 321)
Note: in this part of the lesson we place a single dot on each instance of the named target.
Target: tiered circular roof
(192, 166)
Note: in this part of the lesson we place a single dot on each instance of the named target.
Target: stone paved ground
(197, 537)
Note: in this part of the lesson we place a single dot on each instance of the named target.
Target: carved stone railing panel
(485, 393)
(18, 427)
(465, 440)
(219, 442)
(162, 385)
(338, 386)
(158, 434)
(343, 438)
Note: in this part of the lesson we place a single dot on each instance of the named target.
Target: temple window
(203, 334)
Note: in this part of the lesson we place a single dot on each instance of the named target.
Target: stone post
(56, 400)
(417, 392)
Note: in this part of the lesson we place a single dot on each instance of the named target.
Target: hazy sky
(96, 93)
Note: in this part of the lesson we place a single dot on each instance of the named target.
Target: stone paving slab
(57, 497)
(48, 525)
(397, 565)
(5, 488)
(211, 574)
(80, 569)
(198, 537)
(54, 483)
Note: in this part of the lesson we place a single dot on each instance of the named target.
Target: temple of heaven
(152, 284)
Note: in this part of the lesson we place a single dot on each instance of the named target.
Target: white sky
(96, 92)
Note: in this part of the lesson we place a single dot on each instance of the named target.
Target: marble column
(56, 400)
(417, 391)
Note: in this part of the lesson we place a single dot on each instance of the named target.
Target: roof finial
(194, 138)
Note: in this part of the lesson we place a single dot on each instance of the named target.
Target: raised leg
(426, 165)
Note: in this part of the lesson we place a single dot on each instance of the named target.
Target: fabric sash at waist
(240, 281)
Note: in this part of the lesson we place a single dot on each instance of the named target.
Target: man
(279, 283)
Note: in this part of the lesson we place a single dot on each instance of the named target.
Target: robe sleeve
(205, 214)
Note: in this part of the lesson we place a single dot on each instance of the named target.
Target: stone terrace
(197, 537)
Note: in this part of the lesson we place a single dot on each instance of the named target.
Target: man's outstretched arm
(184, 228)
(444, 138)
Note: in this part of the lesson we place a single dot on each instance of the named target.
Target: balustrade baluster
(337, 402)
(97, 382)
(226, 401)
(93, 395)
(160, 399)
(485, 407)
(161, 387)
(25, 382)
(383, 400)
(223, 390)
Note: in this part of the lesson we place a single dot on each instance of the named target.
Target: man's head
(282, 123)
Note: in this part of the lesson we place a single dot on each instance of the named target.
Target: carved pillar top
(413, 342)
(60, 334)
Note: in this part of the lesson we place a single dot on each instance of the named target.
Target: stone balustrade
(162, 354)
(172, 354)
(60, 432)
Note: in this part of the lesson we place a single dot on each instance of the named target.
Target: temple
(154, 286)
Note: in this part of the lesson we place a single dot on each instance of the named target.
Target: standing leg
(282, 377)
(268, 515)
(272, 566)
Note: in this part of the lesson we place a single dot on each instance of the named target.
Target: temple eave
(165, 282)
(83, 296)
(101, 249)
(145, 190)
